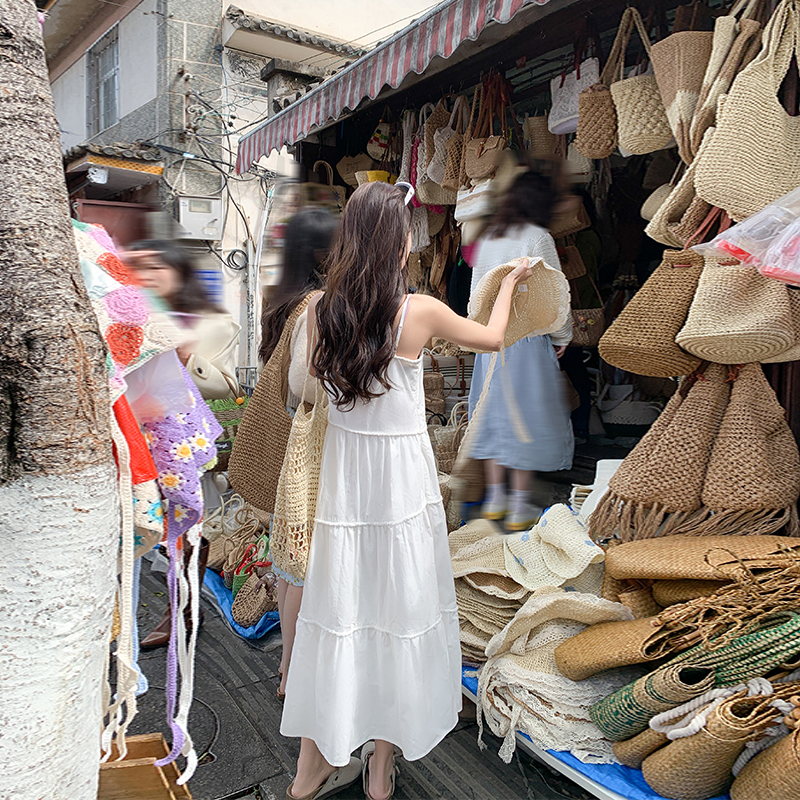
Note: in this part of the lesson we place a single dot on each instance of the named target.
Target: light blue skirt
(527, 400)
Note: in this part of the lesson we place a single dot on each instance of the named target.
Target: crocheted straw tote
(252, 601)
(699, 766)
(753, 479)
(628, 711)
(737, 316)
(642, 338)
(680, 63)
(298, 486)
(695, 559)
(541, 143)
(754, 156)
(773, 774)
(633, 751)
(641, 119)
(657, 489)
(793, 353)
(257, 455)
(541, 304)
(669, 593)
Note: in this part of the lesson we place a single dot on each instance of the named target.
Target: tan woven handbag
(737, 316)
(541, 143)
(680, 63)
(597, 117)
(642, 338)
(569, 217)
(482, 151)
(641, 118)
(773, 774)
(455, 151)
(736, 42)
(296, 499)
(428, 191)
(754, 156)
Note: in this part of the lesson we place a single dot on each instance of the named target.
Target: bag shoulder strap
(618, 49)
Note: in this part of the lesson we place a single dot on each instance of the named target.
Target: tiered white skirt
(377, 651)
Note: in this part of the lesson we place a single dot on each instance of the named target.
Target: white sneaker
(523, 518)
(496, 510)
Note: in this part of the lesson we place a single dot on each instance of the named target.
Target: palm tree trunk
(59, 515)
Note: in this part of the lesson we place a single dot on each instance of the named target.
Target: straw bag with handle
(588, 323)
(296, 499)
(737, 315)
(348, 166)
(596, 136)
(482, 150)
(455, 148)
(437, 167)
(566, 88)
(324, 195)
(541, 143)
(641, 118)
(754, 156)
(736, 42)
(428, 191)
(773, 774)
(680, 62)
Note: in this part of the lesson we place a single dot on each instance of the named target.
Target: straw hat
(541, 304)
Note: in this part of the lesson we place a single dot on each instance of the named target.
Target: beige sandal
(366, 753)
(339, 779)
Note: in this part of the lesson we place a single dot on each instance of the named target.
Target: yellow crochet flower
(200, 442)
(182, 451)
(172, 480)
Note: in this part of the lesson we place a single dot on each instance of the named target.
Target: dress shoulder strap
(402, 322)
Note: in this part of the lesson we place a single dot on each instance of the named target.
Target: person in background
(377, 653)
(307, 242)
(527, 392)
(166, 269)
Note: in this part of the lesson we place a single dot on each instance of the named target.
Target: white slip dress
(377, 652)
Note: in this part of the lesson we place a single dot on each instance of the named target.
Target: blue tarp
(622, 780)
(214, 582)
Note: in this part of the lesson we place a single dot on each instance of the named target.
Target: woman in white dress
(377, 654)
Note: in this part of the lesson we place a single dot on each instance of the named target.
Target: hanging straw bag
(324, 195)
(428, 191)
(754, 156)
(455, 149)
(566, 88)
(378, 144)
(348, 166)
(588, 323)
(482, 151)
(642, 338)
(737, 315)
(541, 143)
(437, 167)
(736, 42)
(680, 63)
(641, 119)
(296, 499)
(597, 117)
(409, 127)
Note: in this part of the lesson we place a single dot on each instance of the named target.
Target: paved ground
(235, 725)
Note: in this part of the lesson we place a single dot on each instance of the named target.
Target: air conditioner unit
(200, 217)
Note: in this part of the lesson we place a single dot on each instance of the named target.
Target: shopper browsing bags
(379, 600)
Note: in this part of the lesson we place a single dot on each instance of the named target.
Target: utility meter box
(200, 217)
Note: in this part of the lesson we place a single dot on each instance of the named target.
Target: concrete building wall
(69, 95)
(138, 67)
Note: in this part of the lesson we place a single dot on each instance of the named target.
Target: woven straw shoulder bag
(641, 119)
(428, 191)
(437, 166)
(754, 156)
(296, 499)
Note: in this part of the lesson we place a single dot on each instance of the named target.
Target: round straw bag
(254, 600)
(737, 316)
(641, 118)
(773, 774)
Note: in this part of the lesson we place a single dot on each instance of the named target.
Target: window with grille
(102, 83)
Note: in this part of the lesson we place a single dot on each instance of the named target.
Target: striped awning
(437, 33)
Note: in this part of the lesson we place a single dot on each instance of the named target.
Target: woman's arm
(428, 317)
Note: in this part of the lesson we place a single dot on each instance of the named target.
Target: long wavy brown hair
(367, 280)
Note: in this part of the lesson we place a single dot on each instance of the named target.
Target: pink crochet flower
(126, 306)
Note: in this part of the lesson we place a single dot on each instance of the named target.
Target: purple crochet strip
(181, 445)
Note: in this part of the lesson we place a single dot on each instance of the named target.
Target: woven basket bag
(541, 143)
(641, 119)
(668, 593)
(736, 42)
(657, 489)
(257, 455)
(596, 136)
(296, 500)
(737, 315)
(253, 600)
(773, 774)
(642, 338)
(429, 192)
(632, 752)
(698, 767)
(483, 148)
(437, 167)
(680, 63)
(754, 156)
